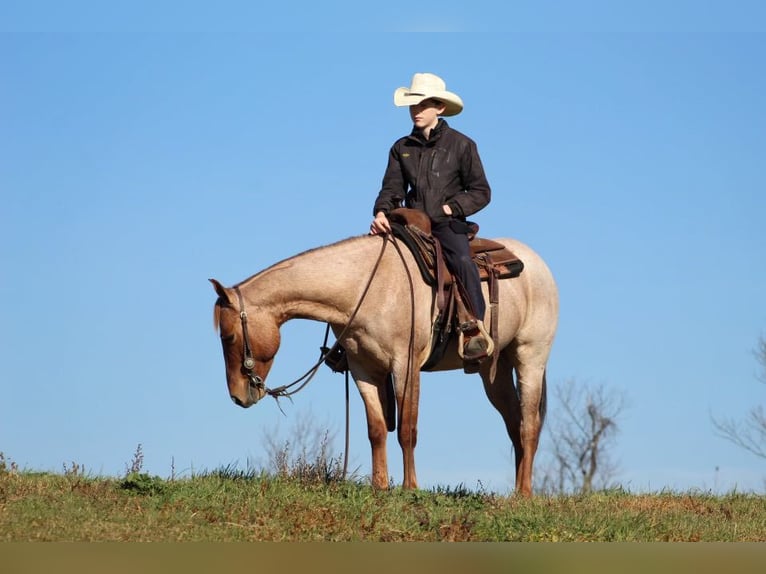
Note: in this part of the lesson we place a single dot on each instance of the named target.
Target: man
(438, 170)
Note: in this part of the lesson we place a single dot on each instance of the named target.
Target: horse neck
(323, 284)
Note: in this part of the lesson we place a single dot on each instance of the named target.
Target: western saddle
(494, 260)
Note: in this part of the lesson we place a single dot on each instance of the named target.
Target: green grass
(231, 505)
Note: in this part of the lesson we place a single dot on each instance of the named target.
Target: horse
(381, 312)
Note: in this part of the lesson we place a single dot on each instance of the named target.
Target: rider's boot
(475, 344)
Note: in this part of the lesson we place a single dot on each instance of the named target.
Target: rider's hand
(380, 224)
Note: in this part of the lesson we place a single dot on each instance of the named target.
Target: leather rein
(248, 362)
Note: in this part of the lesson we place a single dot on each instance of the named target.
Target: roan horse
(388, 337)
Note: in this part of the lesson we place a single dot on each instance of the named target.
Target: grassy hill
(230, 505)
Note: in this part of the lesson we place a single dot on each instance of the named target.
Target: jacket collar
(436, 133)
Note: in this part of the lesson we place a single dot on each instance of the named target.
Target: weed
(314, 465)
(7, 466)
(75, 470)
(137, 463)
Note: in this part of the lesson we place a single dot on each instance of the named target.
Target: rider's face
(426, 113)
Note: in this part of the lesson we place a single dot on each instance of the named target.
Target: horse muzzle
(255, 391)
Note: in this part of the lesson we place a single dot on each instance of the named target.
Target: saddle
(494, 261)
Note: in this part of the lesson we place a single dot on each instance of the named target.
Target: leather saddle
(494, 261)
(413, 227)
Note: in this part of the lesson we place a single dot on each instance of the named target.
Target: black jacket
(426, 174)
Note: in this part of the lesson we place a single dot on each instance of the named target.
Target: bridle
(248, 362)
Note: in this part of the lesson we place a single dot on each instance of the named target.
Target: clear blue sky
(145, 148)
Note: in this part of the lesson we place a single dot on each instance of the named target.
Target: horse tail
(543, 409)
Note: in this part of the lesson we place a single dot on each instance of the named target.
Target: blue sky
(141, 155)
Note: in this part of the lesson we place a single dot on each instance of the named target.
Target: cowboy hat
(425, 86)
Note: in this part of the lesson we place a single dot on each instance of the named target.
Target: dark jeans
(457, 254)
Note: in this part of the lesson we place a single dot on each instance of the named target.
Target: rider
(437, 169)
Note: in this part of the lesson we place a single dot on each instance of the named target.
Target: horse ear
(221, 290)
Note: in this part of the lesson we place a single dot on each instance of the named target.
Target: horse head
(250, 340)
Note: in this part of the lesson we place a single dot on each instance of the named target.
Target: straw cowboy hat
(425, 86)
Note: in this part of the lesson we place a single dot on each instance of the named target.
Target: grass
(318, 505)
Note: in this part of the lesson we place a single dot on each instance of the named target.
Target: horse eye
(227, 338)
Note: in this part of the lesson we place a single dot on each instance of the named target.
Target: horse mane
(279, 265)
(286, 262)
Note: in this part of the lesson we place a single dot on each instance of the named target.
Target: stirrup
(465, 329)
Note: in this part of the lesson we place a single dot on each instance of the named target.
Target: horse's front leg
(407, 397)
(374, 399)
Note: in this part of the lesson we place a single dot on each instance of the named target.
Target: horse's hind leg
(522, 408)
(502, 395)
(531, 386)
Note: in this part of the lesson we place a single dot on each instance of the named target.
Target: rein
(411, 347)
(285, 390)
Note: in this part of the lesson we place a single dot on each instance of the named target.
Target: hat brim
(453, 105)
